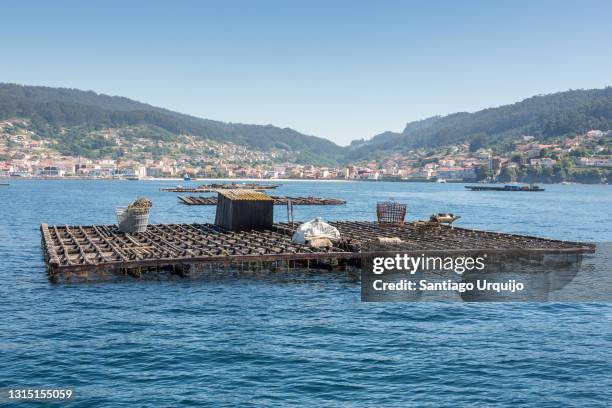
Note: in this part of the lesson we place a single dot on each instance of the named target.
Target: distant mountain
(53, 108)
(558, 114)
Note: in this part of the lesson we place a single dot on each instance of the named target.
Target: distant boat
(186, 177)
(507, 187)
(443, 181)
(133, 178)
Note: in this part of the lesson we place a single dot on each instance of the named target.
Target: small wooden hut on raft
(239, 210)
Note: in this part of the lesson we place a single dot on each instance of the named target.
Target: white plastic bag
(314, 229)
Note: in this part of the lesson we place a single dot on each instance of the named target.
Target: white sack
(314, 229)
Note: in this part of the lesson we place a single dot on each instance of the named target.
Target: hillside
(558, 114)
(51, 109)
(74, 118)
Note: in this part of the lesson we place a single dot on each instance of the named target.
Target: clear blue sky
(341, 70)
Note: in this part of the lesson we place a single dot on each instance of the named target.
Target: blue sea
(300, 338)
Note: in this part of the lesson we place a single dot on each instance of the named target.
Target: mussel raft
(278, 200)
(184, 248)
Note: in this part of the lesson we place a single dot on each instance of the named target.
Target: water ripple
(301, 339)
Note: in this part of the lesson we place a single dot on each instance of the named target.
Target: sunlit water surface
(299, 338)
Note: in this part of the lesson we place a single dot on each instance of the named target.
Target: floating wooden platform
(278, 200)
(209, 188)
(505, 188)
(188, 246)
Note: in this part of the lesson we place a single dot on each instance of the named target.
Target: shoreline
(272, 181)
(285, 180)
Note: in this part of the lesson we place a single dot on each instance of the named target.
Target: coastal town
(127, 154)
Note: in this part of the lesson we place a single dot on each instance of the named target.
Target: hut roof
(245, 195)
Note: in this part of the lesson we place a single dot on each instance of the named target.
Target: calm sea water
(302, 338)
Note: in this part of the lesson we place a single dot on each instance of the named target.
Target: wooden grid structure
(362, 235)
(213, 188)
(98, 247)
(278, 200)
(105, 248)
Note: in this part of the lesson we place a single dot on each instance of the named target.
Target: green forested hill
(557, 114)
(52, 108)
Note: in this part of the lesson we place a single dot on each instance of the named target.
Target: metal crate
(390, 212)
(132, 221)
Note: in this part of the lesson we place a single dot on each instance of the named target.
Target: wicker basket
(132, 220)
(390, 212)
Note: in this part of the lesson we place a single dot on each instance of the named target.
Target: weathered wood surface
(446, 238)
(278, 200)
(209, 188)
(104, 247)
(505, 188)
